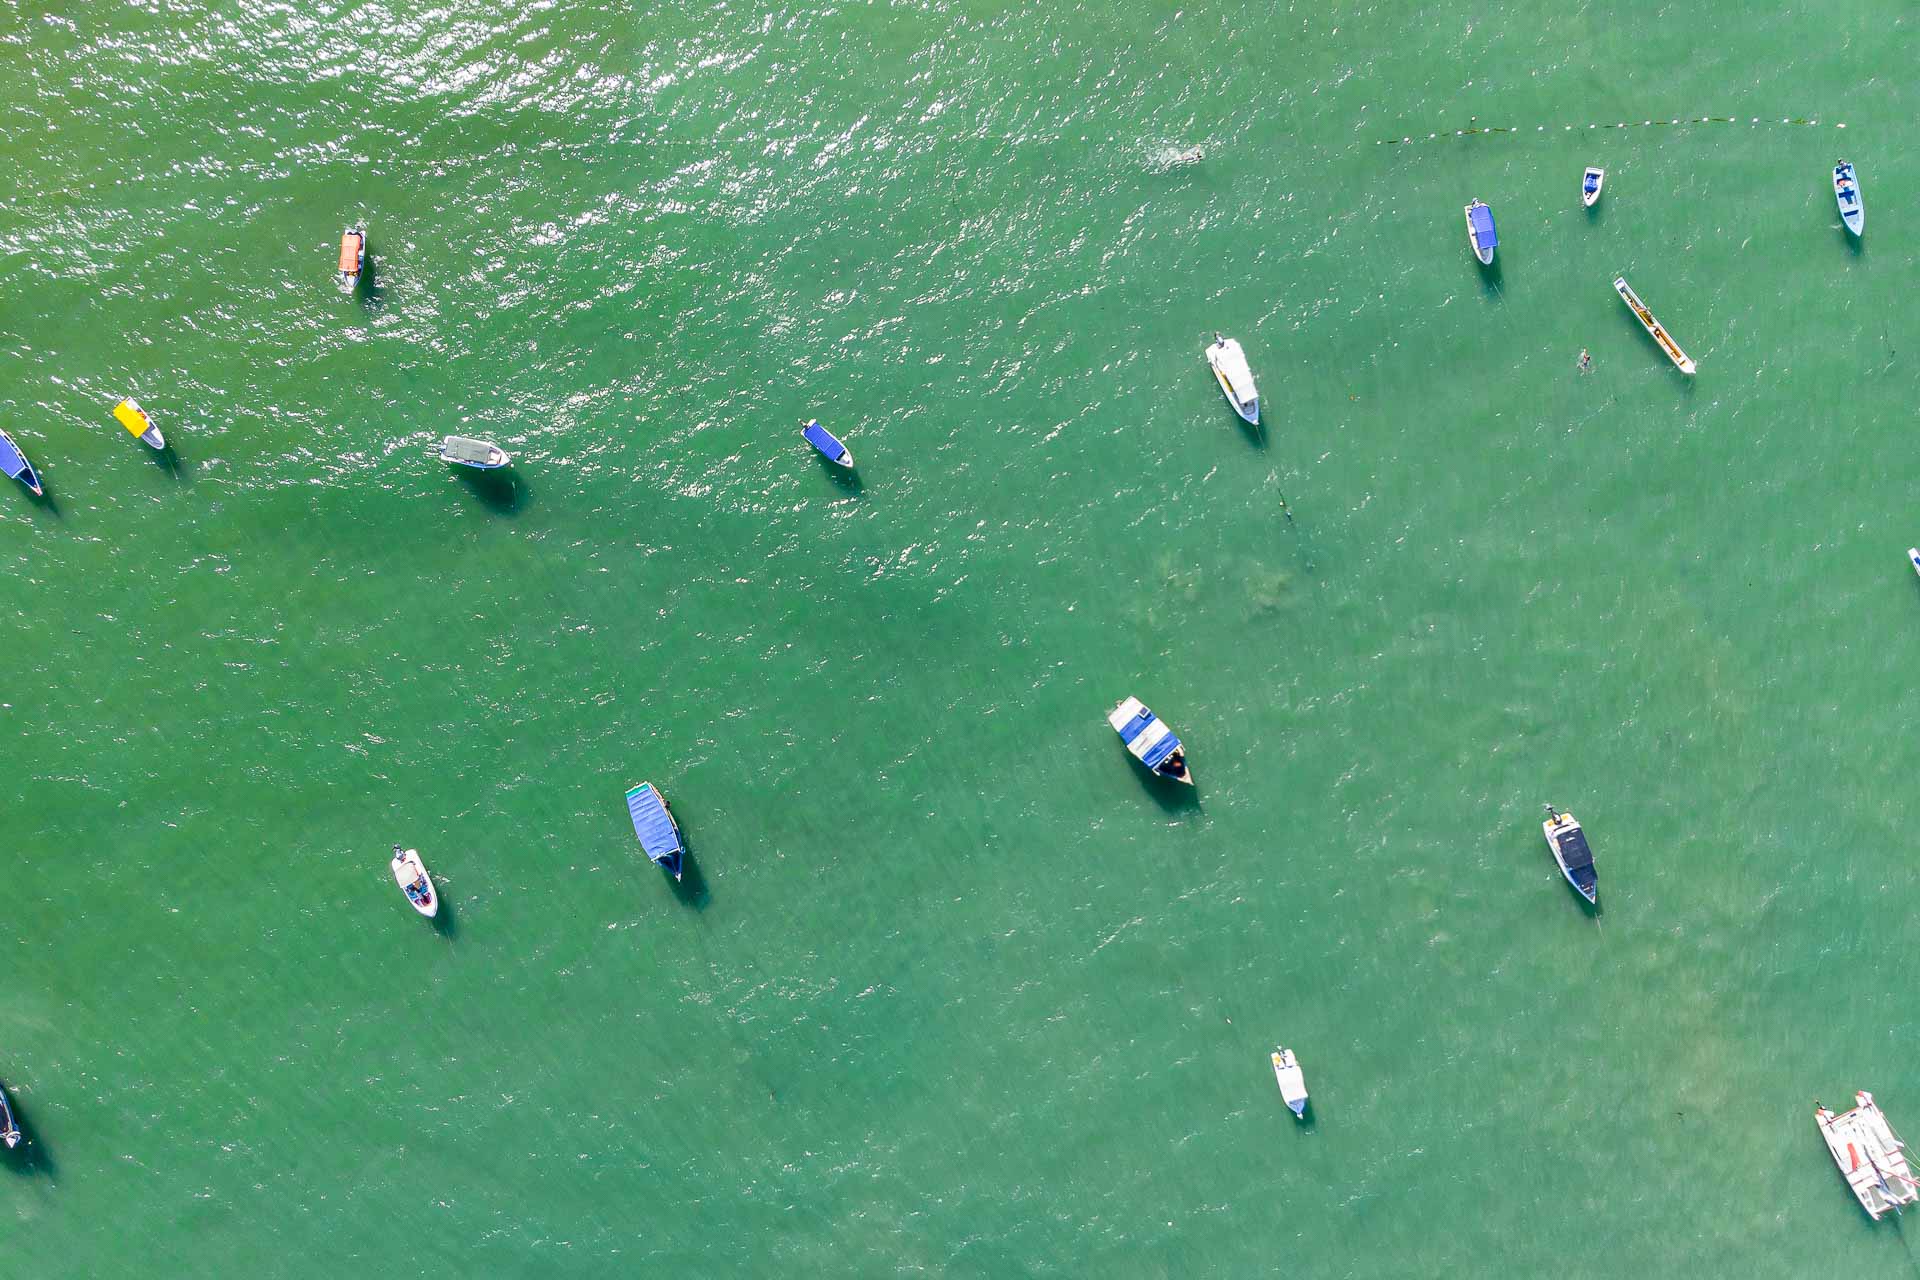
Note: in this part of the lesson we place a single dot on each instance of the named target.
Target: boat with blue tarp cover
(1150, 741)
(15, 464)
(1480, 232)
(653, 823)
(828, 444)
(1569, 845)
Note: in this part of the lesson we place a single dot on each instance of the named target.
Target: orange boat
(353, 255)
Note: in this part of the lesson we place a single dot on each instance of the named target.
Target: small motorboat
(1229, 365)
(1846, 194)
(1150, 741)
(1913, 558)
(828, 444)
(15, 464)
(1680, 358)
(1480, 232)
(353, 256)
(1292, 1081)
(1569, 845)
(1590, 186)
(411, 875)
(659, 833)
(135, 420)
(1871, 1156)
(464, 451)
(9, 1131)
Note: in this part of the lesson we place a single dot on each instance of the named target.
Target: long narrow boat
(1292, 1080)
(1590, 184)
(828, 444)
(135, 420)
(1480, 232)
(1229, 365)
(9, 1131)
(1846, 194)
(1871, 1156)
(1569, 845)
(15, 464)
(1652, 326)
(1149, 740)
(653, 823)
(411, 875)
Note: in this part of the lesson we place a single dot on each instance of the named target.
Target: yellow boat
(135, 419)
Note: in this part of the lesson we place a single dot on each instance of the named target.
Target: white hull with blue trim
(1150, 741)
(653, 823)
(1846, 194)
(1480, 232)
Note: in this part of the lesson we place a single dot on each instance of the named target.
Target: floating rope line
(1569, 128)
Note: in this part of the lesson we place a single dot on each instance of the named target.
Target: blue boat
(15, 464)
(654, 824)
(1569, 845)
(1480, 232)
(828, 444)
(1149, 740)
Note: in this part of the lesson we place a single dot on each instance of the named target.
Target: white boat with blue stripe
(828, 444)
(1846, 194)
(653, 823)
(1480, 232)
(1150, 741)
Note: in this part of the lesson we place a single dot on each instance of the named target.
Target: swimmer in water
(1586, 361)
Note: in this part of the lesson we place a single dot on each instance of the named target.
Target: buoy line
(1481, 129)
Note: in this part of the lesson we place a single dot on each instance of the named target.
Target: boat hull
(479, 455)
(1570, 853)
(1482, 250)
(407, 869)
(13, 460)
(131, 416)
(1292, 1081)
(1913, 558)
(827, 445)
(353, 256)
(1590, 195)
(1846, 195)
(1230, 370)
(1655, 330)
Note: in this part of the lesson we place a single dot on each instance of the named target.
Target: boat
(1150, 741)
(15, 464)
(1652, 326)
(1229, 365)
(1480, 232)
(653, 823)
(9, 1131)
(353, 255)
(1913, 558)
(482, 455)
(1846, 194)
(828, 444)
(135, 420)
(1590, 184)
(1871, 1156)
(1292, 1081)
(1569, 845)
(411, 875)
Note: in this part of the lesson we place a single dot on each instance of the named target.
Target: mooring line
(1569, 128)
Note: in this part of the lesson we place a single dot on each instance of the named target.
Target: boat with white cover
(1846, 194)
(464, 451)
(1569, 845)
(1292, 1080)
(1871, 1156)
(1149, 740)
(1229, 365)
(1480, 232)
(411, 875)
(1652, 326)
(1590, 184)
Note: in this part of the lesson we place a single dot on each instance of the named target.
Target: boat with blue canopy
(1480, 232)
(15, 464)
(1569, 845)
(653, 823)
(1150, 741)
(828, 444)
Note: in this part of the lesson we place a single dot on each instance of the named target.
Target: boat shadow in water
(691, 887)
(501, 491)
(173, 464)
(1172, 797)
(1490, 277)
(446, 921)
(846, 479)
(366, 290)
(31, 1158)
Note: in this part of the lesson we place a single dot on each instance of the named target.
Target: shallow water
(950, 988)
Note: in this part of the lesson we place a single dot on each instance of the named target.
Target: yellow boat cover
(131, 418)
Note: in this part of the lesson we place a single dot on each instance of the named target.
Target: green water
(950, 989)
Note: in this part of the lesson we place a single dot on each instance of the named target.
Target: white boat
(481, 455)
(1480, 232)
(1846, 194)
(1292, 1080)
(1913, 558)
(1871, 1156)
(1149, 740)
(9, 1131)
(1652, 326)
(411, 875)
(1590, 184)
(1229, 365)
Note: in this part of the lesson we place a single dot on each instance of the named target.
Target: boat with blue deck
(828, 444)
(1590, 184)
(1150, 741)
(1569, 845)
(15, 464)
(1480, 232)
(653, 823)
(1846, 194)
